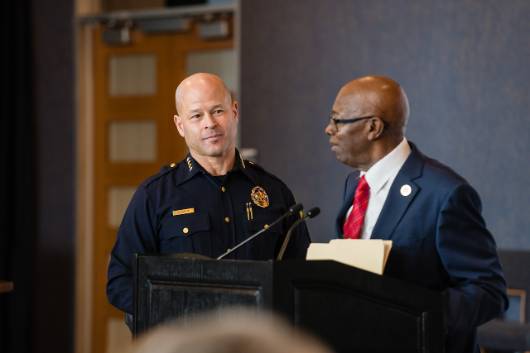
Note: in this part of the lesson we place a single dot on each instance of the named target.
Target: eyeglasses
(336, 122)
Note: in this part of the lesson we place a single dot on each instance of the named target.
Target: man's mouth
(212, 137)
(334, 146)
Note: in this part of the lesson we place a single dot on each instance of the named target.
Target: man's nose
(329, 130)
(209, 121)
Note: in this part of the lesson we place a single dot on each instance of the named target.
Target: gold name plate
(183, 211)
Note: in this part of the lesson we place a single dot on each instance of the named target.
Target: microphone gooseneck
(309, 214)
(292, 210)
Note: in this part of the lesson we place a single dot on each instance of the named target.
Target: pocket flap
(185, 225)
(264, 217)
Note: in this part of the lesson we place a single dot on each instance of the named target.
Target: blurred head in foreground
(228, 331)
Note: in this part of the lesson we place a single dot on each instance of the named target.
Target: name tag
(183, 211)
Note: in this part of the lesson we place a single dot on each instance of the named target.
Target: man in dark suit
(431, 214)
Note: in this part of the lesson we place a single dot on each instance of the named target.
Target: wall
(464, 65)
(53, 67)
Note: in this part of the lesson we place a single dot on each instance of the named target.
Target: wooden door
(133, 136)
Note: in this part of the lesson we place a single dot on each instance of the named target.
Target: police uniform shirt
(184, 209)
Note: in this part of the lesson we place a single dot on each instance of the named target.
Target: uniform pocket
(186, 233)
(265, 246)
(264, 217)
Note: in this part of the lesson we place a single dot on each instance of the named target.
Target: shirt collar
(387, 167)
(243, 166)
(193, 167)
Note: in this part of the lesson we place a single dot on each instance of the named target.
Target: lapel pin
(405, 190)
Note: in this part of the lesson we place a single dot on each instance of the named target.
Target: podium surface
(349, 309)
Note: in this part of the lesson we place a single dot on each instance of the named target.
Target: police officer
(207, 203)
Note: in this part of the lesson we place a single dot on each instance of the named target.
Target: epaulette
(164, 170)
(168, 167)
(252, 163)
(261, 169)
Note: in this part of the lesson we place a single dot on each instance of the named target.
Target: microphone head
(315, 211)
(296, 208)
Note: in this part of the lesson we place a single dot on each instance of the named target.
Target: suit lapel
(401, 195)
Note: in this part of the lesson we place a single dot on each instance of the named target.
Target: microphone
(292, 210)
(309, 214)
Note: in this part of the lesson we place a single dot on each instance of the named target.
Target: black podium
(350, 309)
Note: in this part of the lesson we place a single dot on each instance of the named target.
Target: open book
(366, 254)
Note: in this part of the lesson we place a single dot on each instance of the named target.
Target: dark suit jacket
(440, 242)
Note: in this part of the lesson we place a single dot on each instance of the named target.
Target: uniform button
(223, 189)
(227, 219)
(266, 226)
(185, 230)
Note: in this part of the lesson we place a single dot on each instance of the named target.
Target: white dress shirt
(380, 178)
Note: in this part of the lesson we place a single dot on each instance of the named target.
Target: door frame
(85, 168)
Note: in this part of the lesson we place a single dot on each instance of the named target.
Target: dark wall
(464, 64)
(37, 176)
(53, 62)
(17, 176)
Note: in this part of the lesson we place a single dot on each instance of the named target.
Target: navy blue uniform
(183, 209)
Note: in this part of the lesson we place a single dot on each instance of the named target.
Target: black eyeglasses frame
(337, 121)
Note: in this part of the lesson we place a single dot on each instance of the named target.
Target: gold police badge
(260, 197)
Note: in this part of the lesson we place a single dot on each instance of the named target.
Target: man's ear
(178, 123)
(376, 127)
(235, 109)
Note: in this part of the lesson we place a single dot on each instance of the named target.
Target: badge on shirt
(259, 197)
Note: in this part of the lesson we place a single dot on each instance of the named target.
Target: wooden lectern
(350, 309)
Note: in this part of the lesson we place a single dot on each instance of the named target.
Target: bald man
(431, 214)
(237, 330)
(207, 203)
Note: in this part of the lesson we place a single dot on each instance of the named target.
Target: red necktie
(354, 224)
